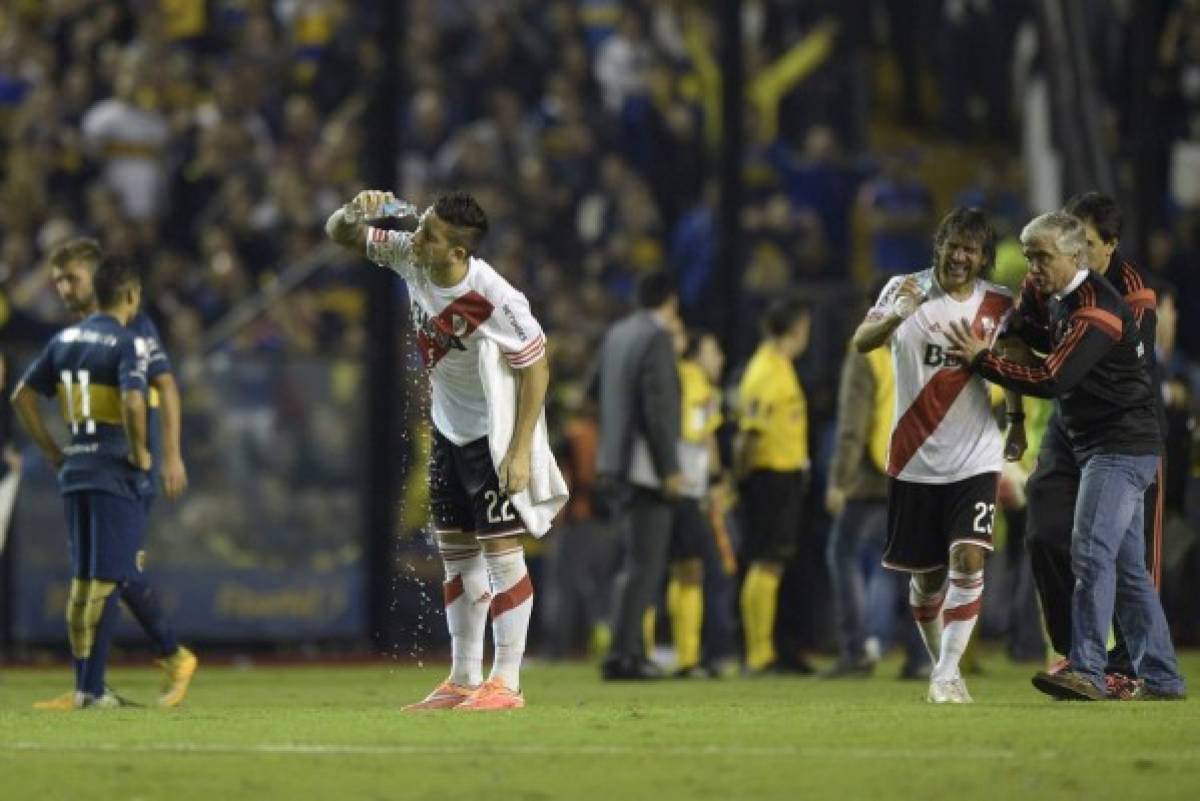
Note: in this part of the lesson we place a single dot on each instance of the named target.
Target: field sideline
(310, 733)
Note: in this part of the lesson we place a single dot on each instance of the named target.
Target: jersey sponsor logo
(511, 316)
(936, 356)
(439, 334)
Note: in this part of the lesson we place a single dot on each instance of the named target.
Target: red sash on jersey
(934, 400)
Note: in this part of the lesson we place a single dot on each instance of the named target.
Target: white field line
(650, 750)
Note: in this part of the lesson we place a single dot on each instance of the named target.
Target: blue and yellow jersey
(771, 403)
(88, 366)
(157, 363)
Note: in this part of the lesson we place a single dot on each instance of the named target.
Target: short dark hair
(1098, 210)
(82, 247)
(113, 276)
(655, 289)
(465, 216)
(972, 222)
(783, 314)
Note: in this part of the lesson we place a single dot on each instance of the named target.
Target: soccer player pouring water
(946, 449)
(458, 302)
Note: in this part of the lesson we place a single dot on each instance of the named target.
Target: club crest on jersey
(435, 336)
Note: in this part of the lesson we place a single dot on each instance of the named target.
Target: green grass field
(315, 733)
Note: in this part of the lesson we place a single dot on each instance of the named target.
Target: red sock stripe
(964, 612)
(513, 597)
(924, 613)
(967, 584)
(452, 589)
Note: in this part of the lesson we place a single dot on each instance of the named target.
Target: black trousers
(1050, 495)
(643, 520)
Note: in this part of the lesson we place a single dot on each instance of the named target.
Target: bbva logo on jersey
(936, 356)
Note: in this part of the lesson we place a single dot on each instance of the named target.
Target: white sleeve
(391, 249)
(513, 327)
(883, 305)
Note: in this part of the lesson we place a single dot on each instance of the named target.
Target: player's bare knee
(967, 558)
(500, 544)
(929, 582)
(456, 540)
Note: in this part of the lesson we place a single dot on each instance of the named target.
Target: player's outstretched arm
(25, 402)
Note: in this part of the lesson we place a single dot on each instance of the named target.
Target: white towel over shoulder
(547, 491)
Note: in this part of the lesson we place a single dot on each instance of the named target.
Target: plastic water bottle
(391, 209)
(903, 305)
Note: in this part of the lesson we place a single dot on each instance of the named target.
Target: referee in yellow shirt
(771, 461)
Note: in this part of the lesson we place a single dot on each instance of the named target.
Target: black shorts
(926, 520)
(690, 532)
(464, 491)
(772, 504)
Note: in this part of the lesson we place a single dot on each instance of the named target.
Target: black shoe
(1068, 685)
(625, 668)
(845, 669)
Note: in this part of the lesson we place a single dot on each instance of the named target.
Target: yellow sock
(77, 599)
(759, 597)
(685, 605)
(648, 630)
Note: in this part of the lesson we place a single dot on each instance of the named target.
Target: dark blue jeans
(866, 604)
(1108, 559)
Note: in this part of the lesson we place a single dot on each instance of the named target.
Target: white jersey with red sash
(945, 430)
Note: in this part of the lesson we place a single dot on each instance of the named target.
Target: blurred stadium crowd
(209, 140)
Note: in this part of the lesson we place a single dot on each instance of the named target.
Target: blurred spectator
(899, 212)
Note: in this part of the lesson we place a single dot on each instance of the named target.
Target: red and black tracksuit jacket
(1096, 366)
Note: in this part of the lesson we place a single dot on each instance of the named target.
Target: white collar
(1080, 277)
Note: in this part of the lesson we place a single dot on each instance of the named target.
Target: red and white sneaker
(446, 695)
(1120, 687)
(492, 696)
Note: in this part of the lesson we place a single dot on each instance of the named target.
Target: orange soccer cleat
(446, 695)
(59, 703)
(492, 696)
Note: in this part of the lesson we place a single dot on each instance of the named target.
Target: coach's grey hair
(1067, 233)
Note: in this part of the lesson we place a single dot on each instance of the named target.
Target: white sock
(467, 595)
(927, 612)
(959, 614)
(512, 602)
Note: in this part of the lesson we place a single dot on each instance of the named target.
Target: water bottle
(393, 209)
(904, 306)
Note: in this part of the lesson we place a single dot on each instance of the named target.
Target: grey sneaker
(1068, 686)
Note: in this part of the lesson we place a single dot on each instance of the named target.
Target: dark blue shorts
(107, 535)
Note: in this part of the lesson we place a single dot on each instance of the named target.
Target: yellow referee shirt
(771, 403)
